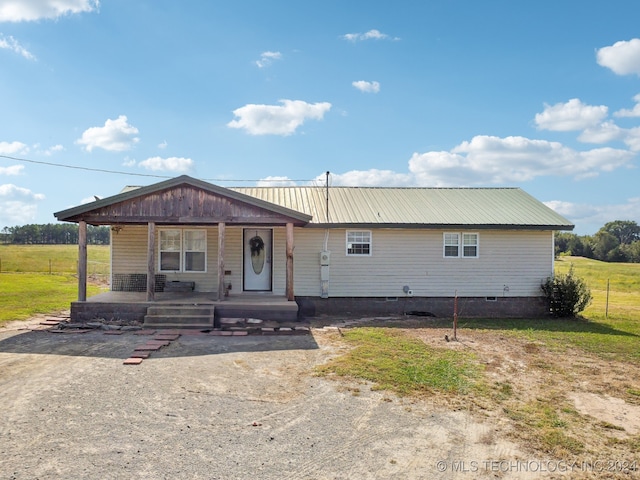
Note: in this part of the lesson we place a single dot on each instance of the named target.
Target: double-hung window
(358, 242)
(183, 250)
(463, 245)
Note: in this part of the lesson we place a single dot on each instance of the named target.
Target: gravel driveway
(209, 407)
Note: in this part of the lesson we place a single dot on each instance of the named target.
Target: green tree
(626, 231)
(603, 243)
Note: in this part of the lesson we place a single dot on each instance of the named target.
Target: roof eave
(441, 226)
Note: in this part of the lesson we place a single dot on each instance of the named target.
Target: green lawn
(614, 334)
(24, 294)
(395, 361)
(394, 358)
(27, 287)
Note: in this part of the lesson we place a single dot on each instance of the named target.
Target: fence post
(606, 308)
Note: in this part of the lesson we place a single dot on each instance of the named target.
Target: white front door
(257, 259)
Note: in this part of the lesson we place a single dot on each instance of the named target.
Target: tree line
(53, 234)
(617, 241)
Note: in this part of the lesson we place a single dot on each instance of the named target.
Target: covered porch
(181, 205)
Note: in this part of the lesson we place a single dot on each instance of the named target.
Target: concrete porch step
(179, 316)
(167, 309)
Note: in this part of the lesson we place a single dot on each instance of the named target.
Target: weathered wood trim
(289, 274)
(221, 235)
(168, 220)
(151, 262)
(82, 261)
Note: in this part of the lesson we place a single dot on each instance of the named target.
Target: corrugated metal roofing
(385, 206)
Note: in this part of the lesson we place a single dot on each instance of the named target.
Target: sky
(98, 95)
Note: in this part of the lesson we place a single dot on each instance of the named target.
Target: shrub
(567, 295)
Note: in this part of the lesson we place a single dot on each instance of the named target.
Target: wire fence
(52, 266)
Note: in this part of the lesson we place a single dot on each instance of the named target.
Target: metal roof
(481, 208)
(425, 207)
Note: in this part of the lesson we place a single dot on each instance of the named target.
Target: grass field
(523, 370)
(41, 278)
(610, 332)
(52, 259)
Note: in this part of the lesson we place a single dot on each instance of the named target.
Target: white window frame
(362, 241)
(476, 244)
(460, 244)
(182, 250)
(447, 238)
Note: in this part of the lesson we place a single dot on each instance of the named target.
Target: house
(331, 250)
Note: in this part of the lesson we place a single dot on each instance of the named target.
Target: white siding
(517, 260)
(129, 249)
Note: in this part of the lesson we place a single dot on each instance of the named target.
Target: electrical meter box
(325, 257)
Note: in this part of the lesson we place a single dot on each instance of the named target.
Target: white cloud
(163, 145)
(367, 87)
(31, 10)
(367, 178)
(623, 57)
(592, 217)
(573, 115)
(12, 170)
(632, 139)
(116, 136)
(370, 35)
(18, 205)
(267, 58)
(172, 164)
(13, 148)
(274, 181)
(495, 160)
(51, 150)
(10, 43)
(486, 160)
(634, 112)
(603, 133)
(277, 119)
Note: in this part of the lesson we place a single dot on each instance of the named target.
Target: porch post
(82, 261)
(151, 262)
(289, 278)
(221, 228)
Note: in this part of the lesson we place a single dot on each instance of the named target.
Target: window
(170, 241)
(470, 245)
(461, 245)
(451, 244)
(183, 250)
(358, 242)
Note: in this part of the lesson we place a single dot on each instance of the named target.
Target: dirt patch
(252, 407)
(609, 410)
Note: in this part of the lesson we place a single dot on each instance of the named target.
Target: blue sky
(540, 95)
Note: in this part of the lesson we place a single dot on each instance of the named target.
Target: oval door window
(257, 254)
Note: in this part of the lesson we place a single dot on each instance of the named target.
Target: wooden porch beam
(221, 233)
(289, 277)
(151, 262)
(82, 261)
